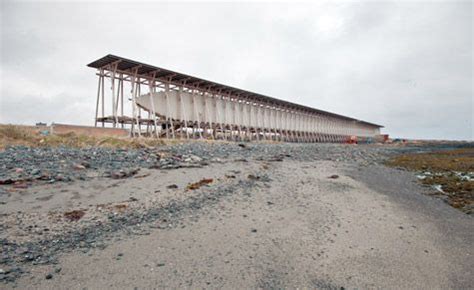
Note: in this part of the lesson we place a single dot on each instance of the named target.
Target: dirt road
(261, 224)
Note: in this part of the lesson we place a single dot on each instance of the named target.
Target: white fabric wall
(198, 108)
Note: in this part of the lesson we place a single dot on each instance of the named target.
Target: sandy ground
(369, 228)
(146, 186)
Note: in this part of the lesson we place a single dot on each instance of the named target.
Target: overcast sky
(405, 65)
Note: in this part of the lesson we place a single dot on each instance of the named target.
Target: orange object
(352, 140)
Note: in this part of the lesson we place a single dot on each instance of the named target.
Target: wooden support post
(112, 87)
(196, 113)
(218, 117)
(121, 99)
(148, 125)
(239, 123)
(114, 106)
(247, 131)
(117, 100)
(151, 91)
(264, 125)
(280, 124)
(234, 118)
(97, 103)
(167, 88)
(211, 130)
(135, 121)
(103, 98)
(257, 123)
(139, 93)
(183, 112)
(250, 120)
(225, 114)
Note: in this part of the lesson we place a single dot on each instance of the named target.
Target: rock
(334, 176)
(79, 167)
(120, 207)
(6, 181)
(59, 177)
(276, 158)
(74, 215)
(172, 186)
(49, 276)
(192, 158)
(22, 250)
(20, 185)
(85, 164)
(124, 173)
(200, 183)
(253, 230)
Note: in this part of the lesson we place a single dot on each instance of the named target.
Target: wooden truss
(179, 106)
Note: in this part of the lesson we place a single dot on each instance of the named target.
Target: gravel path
(226, 215)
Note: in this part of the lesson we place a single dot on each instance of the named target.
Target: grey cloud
(405, 65)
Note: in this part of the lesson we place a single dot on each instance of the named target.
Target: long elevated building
(169, 104)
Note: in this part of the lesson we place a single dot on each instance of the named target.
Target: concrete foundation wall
(86, 130)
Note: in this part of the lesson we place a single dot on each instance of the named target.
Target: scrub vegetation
(450, 172)
(14, 135)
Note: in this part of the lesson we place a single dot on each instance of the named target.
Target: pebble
(79, 167)
(62, 164)
(48, 164)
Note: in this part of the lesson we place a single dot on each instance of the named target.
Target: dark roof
(124, 64)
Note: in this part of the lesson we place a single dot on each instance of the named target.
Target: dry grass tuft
(13, 135)
(197, 185)
(17, 135)
(453, 160)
